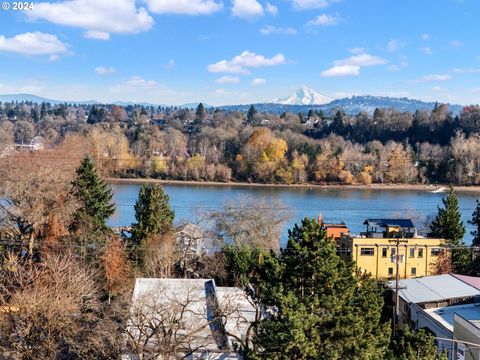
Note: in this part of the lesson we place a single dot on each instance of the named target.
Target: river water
(351, 206)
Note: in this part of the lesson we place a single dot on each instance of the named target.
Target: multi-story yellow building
(376, 250)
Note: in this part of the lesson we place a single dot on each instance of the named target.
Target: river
(352, 206)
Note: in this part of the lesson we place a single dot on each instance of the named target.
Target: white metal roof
(445, 315)
(434, 288)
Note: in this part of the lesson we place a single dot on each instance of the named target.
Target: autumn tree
(117, 267)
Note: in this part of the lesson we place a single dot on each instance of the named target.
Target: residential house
(334, 231)
(193, 317)
(448, 306)
(375, 250)
(193, 240)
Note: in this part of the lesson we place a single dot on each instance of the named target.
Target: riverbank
(404, 187)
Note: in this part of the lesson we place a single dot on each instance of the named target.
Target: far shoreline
(402, 187)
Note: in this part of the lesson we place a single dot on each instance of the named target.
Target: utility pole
(397, 259)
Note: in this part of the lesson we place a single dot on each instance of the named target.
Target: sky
(240, 51)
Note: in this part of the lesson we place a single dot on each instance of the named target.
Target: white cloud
(426, 50)
(325, 20)
(393, 67)
(135, 83)
(456, 43)
(247, 59)
(438, 89)
(170, 64)
(394, 45)
(311, 4)
(186, 7)
(247, 9)
(470, 70)
(425, 36)
(432, 77)
(271, 9)
(357, 50)
(267, 30)
(341, 70)
(34, 43)
(228, 80)
(351, 66)
(102, 70)
(98, 18)
(258, 82)
(361, 60)
(97, 35)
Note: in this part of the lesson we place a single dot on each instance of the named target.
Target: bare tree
(252, 222)
(171, 322)
(35, 188)
(53, 311)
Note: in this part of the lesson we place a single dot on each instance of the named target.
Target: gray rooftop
(434, 288)
(404, 223)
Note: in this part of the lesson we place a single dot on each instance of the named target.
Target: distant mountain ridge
(39, 99)
(351, 105)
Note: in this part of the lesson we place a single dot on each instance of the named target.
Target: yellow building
(375, 250)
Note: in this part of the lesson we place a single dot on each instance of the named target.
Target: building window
(392, 251)
(367, 251)
(420, 253)
(384, 252)
(390, 271)
(412, 252)
(436, 251)
(414, 271)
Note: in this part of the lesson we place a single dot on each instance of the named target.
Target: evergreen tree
(448, 224)
(476, 222)
(152, 212)
(201, 113)
(323, 311)
(94, 195)
(411, 345)
(251, 114)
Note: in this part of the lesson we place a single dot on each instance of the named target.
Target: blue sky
(241, 51)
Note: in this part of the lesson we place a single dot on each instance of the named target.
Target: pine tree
(476, 222)
(448, 224)
(152, 212)
(94, 195)
(201, 113)
(251, 114)
(323, 310)
(411, 345)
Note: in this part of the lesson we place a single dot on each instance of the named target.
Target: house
(193, 318)
(375, 250)
(447, 306)
(334, 231)
(196, 241)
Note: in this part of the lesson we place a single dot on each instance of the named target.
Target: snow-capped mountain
(303, 96)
